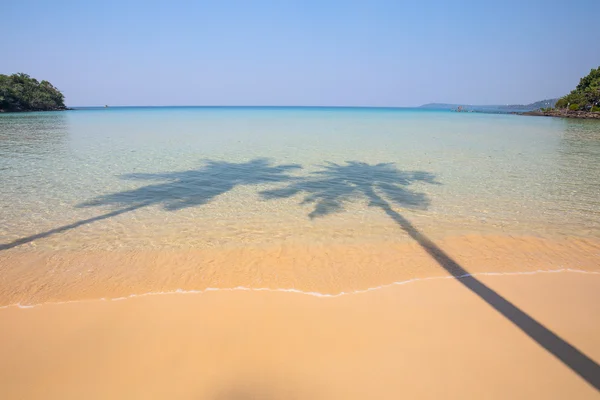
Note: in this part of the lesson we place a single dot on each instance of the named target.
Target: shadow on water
(383, 185)
(177, 190)
(335, 185)
(182, 189)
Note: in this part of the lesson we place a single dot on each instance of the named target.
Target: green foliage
(20, 92)
(561, 103)
(596, 109)
(574, 107)
(586, 96)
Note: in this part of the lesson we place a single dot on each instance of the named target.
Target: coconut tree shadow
(177, 190)
(336, 185)
(383, 185)
(182, 189)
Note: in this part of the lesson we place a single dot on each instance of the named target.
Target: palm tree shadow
(182, 189)
(383, 185)
(331, 188)
(177, 190)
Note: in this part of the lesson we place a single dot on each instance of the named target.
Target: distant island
(582, 102)
(20, 92)
(549, 103)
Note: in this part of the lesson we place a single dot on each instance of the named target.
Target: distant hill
(549, 103)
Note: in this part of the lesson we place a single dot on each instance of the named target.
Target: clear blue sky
(312, 52)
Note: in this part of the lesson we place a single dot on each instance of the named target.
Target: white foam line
(315, 294)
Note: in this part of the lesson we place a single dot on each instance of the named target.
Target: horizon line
(240, 106)
(308, 106)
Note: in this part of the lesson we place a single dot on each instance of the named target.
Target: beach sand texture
(426, 339)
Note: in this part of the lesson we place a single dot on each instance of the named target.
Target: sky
(312, 52)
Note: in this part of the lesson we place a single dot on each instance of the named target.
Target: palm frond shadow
(191, 188)
(177, 190)
(382, 185)
(335, 185)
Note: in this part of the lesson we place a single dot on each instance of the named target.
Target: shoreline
(300, 292)
(563, 114)
(36, 110)
(428, 340)
(37, 277)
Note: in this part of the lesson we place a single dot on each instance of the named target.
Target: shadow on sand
(382, 185)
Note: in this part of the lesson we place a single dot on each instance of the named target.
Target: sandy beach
(424, 339)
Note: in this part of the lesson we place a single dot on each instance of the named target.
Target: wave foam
(315, 294)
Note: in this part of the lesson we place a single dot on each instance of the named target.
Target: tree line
(586, 96)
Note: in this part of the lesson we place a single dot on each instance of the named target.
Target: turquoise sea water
(193, 177)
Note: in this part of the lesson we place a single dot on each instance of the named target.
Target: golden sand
(34, 277)
(426, 339)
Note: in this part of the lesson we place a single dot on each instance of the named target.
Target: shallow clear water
(161, 178)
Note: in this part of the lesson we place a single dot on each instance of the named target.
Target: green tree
(20, 92)
(586, 96)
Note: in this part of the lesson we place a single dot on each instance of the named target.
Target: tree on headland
(20, 92)
(586, 96)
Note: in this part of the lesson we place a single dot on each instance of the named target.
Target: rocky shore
(36, 109)
(564, 114)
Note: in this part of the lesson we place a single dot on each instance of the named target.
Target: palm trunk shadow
(63, 228)
(581, 364)
(179, 189)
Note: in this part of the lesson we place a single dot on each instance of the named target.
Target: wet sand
(426, 339)
(33, 277)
